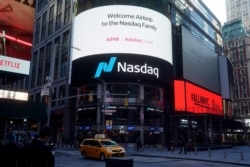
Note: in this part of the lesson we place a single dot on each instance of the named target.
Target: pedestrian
(190, 145)
(138, 144)
(183, 145)
(10, 152)
(37, 153)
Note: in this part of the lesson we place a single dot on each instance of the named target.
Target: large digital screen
(17, 14)
(191, 98)
(123, 67)
(16, 34)
(122, 29)
(200, 62)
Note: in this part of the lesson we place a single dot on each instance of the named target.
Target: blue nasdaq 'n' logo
(103, 66)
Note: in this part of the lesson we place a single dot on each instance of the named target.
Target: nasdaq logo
(124, 67)
(106, 67)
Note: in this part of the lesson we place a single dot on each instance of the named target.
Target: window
(40, 67)
(53, 102)
(47, 60)
(62, 93)
(37, 33)
(65, 54)
(57, 42)
(58, 14)
(41, 4)
(67, 13)
(33, 70)
(151, 93)
(51, 20)
(123, 90)
(43, 31)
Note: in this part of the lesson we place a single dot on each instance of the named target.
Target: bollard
(225, 154)
(241, 155)
(195, 150)
(209, 152)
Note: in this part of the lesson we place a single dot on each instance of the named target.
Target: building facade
(238, 9)
(16, 33)
(236, 47)
(116, 74)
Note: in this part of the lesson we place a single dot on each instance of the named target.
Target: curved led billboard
(126, 67)
(191, 98)
(122, 29)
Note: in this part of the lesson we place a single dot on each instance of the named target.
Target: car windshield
(109, 143)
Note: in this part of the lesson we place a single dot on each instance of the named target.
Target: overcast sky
(218, 9)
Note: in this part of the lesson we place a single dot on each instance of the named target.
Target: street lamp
(50, 79)
(104, 101)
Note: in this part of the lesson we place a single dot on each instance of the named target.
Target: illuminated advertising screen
(18, 14)
(7, 94)
(122, 29)
(126, 67)
(14, 65)
(193, 99)
(197, 62)
(16, 34)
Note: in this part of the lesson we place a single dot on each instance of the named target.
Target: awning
(22, 109)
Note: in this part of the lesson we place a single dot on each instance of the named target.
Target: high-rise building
(236, 47)
(236, 9)
(236, 40)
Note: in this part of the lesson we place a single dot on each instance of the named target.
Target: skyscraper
(236, 9)
(235, 35)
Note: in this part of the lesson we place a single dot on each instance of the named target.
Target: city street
(73, 159)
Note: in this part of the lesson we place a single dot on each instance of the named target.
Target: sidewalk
(238, 155)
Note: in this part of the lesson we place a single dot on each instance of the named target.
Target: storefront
(20, 116)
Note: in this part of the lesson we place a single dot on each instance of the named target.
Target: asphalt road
(69, 160)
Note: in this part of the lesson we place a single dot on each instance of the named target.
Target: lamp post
(51, 77)
(104, 101)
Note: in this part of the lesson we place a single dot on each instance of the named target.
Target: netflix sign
(14, 65)
(193, 99)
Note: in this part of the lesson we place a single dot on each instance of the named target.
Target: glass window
(51, 20)
(123, 90)
(127, 116)
(53, 98)
(40, 66)
(62, 93)
(65, 54)
(152, 93)
(67, 13)
(58, 14)
(47, 60)
(43, 31)
(37, 33)
(33, 70)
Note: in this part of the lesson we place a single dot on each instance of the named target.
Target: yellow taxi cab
(101, 147)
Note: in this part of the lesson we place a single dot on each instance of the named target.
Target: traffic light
(125, 101)
(91, 97)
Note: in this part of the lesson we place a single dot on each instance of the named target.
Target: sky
(218, 7)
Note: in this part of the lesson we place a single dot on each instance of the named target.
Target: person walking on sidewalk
(182, 145)
(37, 153)
(138, 144)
